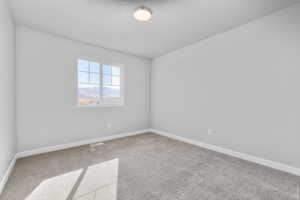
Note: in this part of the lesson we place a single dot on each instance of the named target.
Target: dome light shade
(142, 14)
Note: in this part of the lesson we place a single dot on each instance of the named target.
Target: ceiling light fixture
(142, 14)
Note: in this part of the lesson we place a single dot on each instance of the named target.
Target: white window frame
(122, 82)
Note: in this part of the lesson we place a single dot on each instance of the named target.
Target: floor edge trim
(8, 173)
(76, 144)
(243, 156)
(61, 147)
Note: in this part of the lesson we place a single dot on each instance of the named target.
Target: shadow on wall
(95, 182)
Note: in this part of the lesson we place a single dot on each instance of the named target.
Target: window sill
(100, 106)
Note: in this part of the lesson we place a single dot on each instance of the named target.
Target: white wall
(7, 88)
(47, 97)
(244, 84)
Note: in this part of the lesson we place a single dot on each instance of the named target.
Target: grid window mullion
(107, 81)
(89, 72)
(101, 83)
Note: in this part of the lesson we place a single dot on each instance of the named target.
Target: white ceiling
(110, 24)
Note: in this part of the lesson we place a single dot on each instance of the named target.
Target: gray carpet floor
(152, 167)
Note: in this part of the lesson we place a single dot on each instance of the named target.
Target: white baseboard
(76, 144)
(7, 174)
(61, 147)
(254, 159)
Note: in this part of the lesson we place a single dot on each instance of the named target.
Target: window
(99, 84)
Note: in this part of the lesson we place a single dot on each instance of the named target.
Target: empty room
(150, 100)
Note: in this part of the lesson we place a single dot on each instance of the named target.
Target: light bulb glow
(142, 14)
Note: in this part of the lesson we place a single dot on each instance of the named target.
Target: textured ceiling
(110, 24)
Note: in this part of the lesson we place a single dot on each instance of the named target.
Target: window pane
(83, 77)
(88, 94)
(106, 80)
(94, 78)
(116, 70)
(112, 101)
(115, 80)
(106, 69)
(111, 91)
(94, 67)
(83, 65)
(90, 89)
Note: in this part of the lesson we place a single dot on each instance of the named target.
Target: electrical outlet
(210, 131)
(109, 125)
